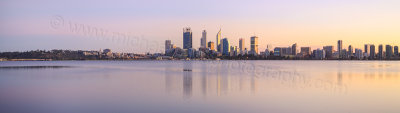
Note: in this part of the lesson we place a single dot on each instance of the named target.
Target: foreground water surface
(200, 87)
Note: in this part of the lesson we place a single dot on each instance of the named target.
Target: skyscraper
(294, 49)
(254, 45)
(241, 45)
(203, 40)
(358, 53)
(187, 38)
(211, 45)
(319, 54)
(305, 51)
(277, 51)
(396, 51)
(328, 51)
(350, 51)
(226, 47)
(372, 52)
(218, 41)
(380, 52)
(168, 46)
(340, 46)
(366, 49)
(389, 51)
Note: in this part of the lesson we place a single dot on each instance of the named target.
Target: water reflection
(199, 78)
(202, 86)
(204, 79)
(187, 79)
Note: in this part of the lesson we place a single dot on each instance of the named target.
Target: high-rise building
(187, 38)
(241, 45)
(286, 51)
(305, 51)
(359, 53)
(319, 54)
(203, 40)
(168, 45)
(226, 47)
(294, 49)
(211, 45)
(366, 50)
(372, 52)
(277, 51)
(396, 51)
(254, 45)
(340, 47)
(328, 51)
(218, 41)
(233, 51)
(380, 52)
(350, 51)
(389, 51)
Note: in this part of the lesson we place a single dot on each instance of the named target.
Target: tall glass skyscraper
(294, 49)
(340, 47)
(328, 51)
(203, 40)
(389, 51)
(396, 51)
(366, 49)
(241, 45)
(350, 51)
(226, 47)
(254, 45)
(168, 45)
(380, 52)
(372, 52)
(218, 41)
(187, 38)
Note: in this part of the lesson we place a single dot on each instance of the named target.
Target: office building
(396, 51)
(358, 54)
(389, 52)
(372, 52)
(241, 45)
(210, 45)
(168, 45)
(254, 45)
(226, 47)
(203, 40)
(350, 51)
(277, 51)
(286, 51)
(294, 49)
(367, 50)
(187, 38)
(305, 51)
(380, 52)
(328, 51)
(340, 47)
(319, 54)
(218, 41)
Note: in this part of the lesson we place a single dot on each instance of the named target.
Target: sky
(141, 26)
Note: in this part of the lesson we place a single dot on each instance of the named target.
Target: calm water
(200, 86)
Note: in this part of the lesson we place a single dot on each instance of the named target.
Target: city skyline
(277, 23)
(228, 50)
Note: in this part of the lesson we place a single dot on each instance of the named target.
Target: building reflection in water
(187, 79)
(219, 79)
(171, 80)
(204, 78)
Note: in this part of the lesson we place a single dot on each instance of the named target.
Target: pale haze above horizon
(141, 26)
